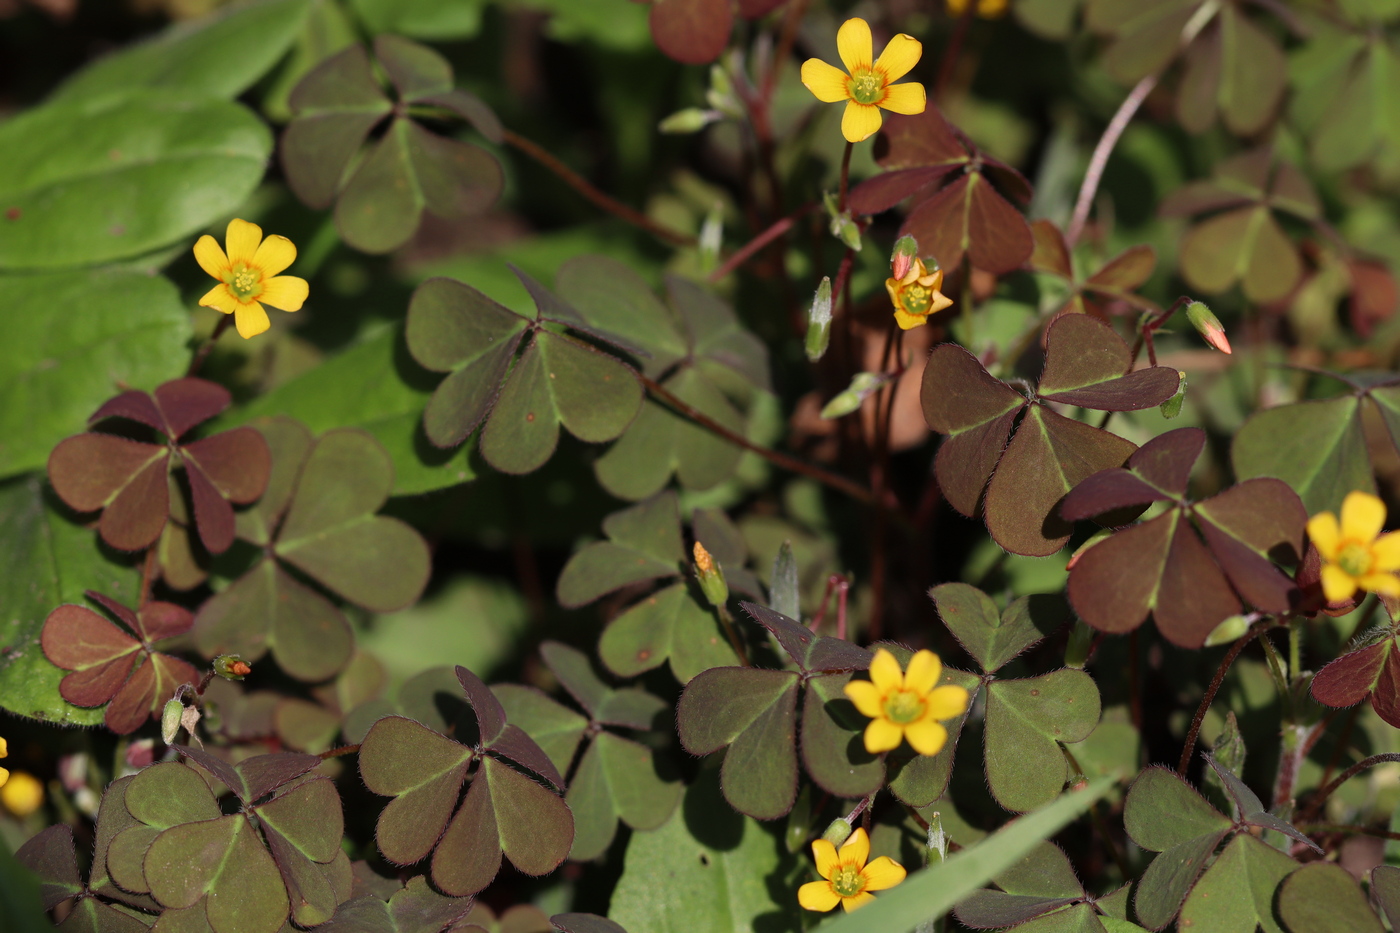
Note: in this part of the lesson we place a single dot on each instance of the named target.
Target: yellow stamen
(847, 881)
(904, 706)
(867, 88)
(1355, 558)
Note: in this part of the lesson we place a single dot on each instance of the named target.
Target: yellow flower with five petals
(906, 704)
(248, 277)
(1356, 556)
(869, 85)
(849, 880)
(917, 295)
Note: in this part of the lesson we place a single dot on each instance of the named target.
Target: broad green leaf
(932, 892)
(1164, 814)
(415, 906)
(1316, 447)
(220, 55)
(221, 863)
(991, 637)
(423, 772)
(1026, 722)
(753, 712)
(72, 341)
(644, 544)
(50, 561)
(1236, 894)
(615, 299)
(616, 779)
(122, 174)
(833, 750)
(1324, 898)
(724, 887)
(20, 890)
(364, 387)
(554, 727)
(669, 625)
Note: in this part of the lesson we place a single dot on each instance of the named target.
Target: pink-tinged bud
(905, 249)
(1208, 325)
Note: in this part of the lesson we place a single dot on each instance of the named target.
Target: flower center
(245, 283)
(848, 881)
(866, 88)
(916, 298)
(904, 706)
(1355, 559)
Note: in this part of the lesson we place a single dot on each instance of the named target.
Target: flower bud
(862, 385)
(1208, 325)
(232, 667)
(711, 233)
(819, 321)
(936, 847)
(906, 248)
(689, 120)
(838, 832)
(711, 576)
(1172, 406)
(842, 226)
(1229, 630)
(170, 720)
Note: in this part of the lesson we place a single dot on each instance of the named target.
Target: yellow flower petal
(907, 321)
(251, 320)
(4, 748)
(1363, 516)
(1386, 552)
(210, 256)
(905, 98)
(275, 254)
(883, 873)
(860, 121)
(885, 673)
(922, 674)
(1386, 584)
(4, 776)
(1325, 533)
(817, 895)
(926, 737)
(285, 292)
(900, 55)
(221, 299)
(824, 854)
(939, 302)
(826, 82)
(854, 44)
(882, 736)
(948, 701)
(242, 240)
(860, 900)
(856, 848)
(1337, 585)
(22, 794)
(866, 697)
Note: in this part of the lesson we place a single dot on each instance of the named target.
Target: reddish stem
(203, 352)
(1216, 681)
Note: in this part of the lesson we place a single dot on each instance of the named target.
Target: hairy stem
(826, 477)
(205, 348)
(581, 185)
(747, 251)
(1213, 689)
(1315, 805)
(1099, 160)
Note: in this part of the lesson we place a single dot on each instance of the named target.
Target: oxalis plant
(516, 466)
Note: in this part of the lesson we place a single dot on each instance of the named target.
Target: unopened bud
(232, 667)
(1208, 325)
(862, 385)
(1229, 630)
(711, 233)
(819, 321)
(936, 847)
(906, 248)
(689, 120)
(170, 720)
(711, 576)
(842, 226)
(1172, 406)
(838, 832)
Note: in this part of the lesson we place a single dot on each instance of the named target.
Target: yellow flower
(22, 794)
(906, 705)
(1356, 554)
(869, 86)
(917, 295)
(987, 9)
(849, 880)
(248, 276)
(4, 752)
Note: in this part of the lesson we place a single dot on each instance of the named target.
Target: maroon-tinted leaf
(1246, 524)
(970, 217)
(1086, 364)
(1348, 680)
(691, 31)
(50, 855)
(1108, 491)
(749, 9)
(807, 650)
(124, 477)
(516, 746)
(490, 715)
(886, 190)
